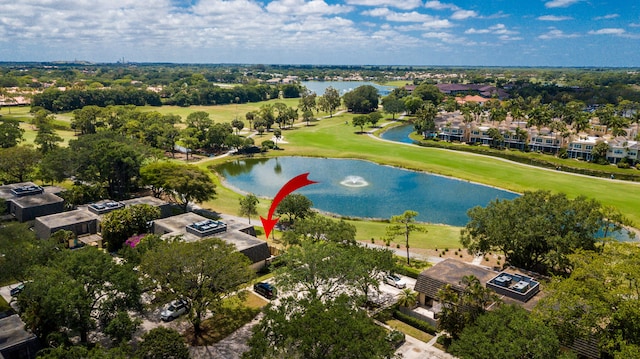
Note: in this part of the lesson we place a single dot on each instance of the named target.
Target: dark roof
(449, 271)
(13, 334)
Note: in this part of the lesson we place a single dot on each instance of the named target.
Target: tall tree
(598, 300)
(392, 105)
(318, 330)
(203, 273)
(317, 228)
(77, 290)
(330, 101)
(505, 333)
(248, 206)
(10, 133)
(403, 225)
(17, 164)
(161, 343)
(362, 99)
(548, 227)
(295, 206)
(425, 119)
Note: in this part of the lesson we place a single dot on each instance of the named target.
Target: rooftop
(67, 218)
(28, 201)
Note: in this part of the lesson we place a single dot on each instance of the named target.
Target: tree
(248, 206)
(425, 120)
(76, 290)
(20, 250)
(360, 121)
(238, 125)
(505, 333)
(374, 117)
(10, 133)
(412, 104)
(119, 225)
(186, 184)
(404, 224)
(18, 163)
(122, 327)
(307, 101)
(295, 206)
(277, 134)
(108, 158)
(87, 119)
(203, 273)
(362, 99)
(330, 101)
(428, 93)
(161, 343)
(463, 305)
(599, 153)
(47, 139)
(548, 227)
(598, 300)
(307, 116)
(323, 270)
(317, 228)
(392, 105)
(314, 329)
(497, 139)
(407, 298)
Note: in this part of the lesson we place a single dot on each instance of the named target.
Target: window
(589, 147)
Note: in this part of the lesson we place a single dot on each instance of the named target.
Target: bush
(408, 271)
(396, 338)
(414, 322)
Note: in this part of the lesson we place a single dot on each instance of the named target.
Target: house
(449, 271)
(165, 207)
(582, 146)
(544, 140)
(480, 134)
(620, 148)
(25, 201)
(194, 227)
(15, 341)
(80, 221)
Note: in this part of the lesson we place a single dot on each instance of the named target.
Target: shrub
(414, 322)
(409, 271)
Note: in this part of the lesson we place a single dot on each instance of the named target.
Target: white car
(395, 281)
(174, 310)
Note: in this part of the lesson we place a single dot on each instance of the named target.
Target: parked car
(17, 290)
(174, 310)
(265, 289)
(395, 281)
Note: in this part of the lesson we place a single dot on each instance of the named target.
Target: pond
(355, 188)
(399, 133)
(343, 86)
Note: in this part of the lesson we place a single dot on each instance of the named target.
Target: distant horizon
(400, 66)
(468, 33)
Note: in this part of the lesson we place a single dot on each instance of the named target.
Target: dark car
(17, 290)
(265, 289)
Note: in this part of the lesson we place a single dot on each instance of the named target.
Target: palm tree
(407, 298)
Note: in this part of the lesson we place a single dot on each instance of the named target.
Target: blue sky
(376, 32)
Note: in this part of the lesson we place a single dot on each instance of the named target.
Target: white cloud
(607, 17)
(634, 24)
(413, 16)
(554, 33)
(498, 29)
(437, 5)
(560, 3)
(510, 38)
(464, 14)
(301, 7)
(554, 18)
(607, 31)
(400, 4)
(448, 38)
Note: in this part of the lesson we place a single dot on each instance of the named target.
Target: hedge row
(416, 323)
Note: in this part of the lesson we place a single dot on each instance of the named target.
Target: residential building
(194, 227)
(620, 148)
(15, 341)
(581, 147)
(25, 201)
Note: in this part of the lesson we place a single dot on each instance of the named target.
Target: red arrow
(293, 184)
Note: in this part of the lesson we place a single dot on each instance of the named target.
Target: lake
(356, 188)
(343, 86)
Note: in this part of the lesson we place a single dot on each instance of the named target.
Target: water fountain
(354, 181)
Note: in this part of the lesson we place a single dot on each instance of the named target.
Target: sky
(325, 32)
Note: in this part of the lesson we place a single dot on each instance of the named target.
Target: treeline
(56, 100)
(592, 95)
(205, 94)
